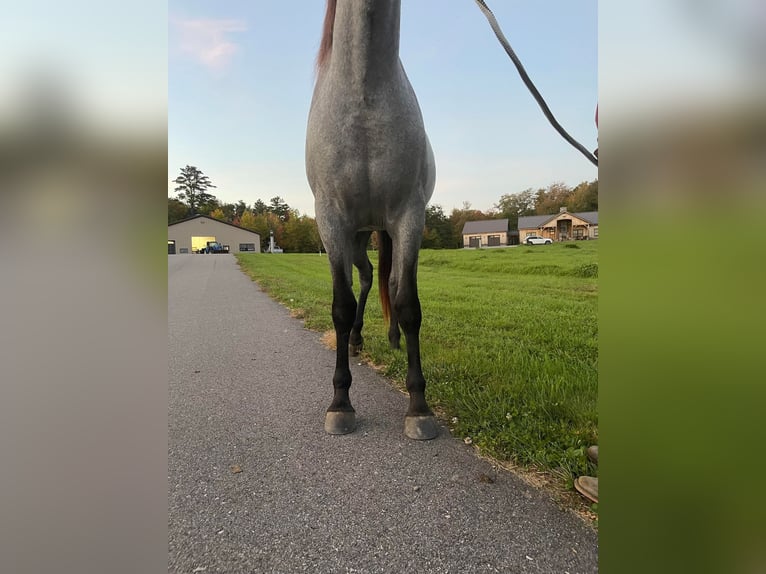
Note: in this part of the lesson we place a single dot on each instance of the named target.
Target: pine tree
(192, 188)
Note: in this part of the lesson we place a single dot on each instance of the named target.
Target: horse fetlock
(394, 338)
(341, 380)
(355, 344)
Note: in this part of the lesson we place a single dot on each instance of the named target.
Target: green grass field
(509, 343)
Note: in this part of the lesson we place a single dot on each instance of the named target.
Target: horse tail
(325, 45)
(385, 250)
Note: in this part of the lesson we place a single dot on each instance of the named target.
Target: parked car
(537, 240)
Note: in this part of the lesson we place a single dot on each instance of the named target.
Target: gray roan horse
(371, 168)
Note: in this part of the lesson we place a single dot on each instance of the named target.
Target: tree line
(298, 233)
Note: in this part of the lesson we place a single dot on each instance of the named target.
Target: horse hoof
(354, 350)
(421, 427)
(339, 422)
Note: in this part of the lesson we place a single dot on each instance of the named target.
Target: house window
(577, 233)
(247, 246)
(493, 240)
(595, 232)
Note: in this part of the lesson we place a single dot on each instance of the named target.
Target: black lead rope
(525, 77)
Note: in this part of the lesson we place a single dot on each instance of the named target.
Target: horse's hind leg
(362, 263)
(340, 417)
(419, 422)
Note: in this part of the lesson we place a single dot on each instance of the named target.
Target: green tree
(584, 197)
(262, 224)
(279, 207)
(177, 210)
(239, 208)
(514, 205)
(247, 220)
(300, 235)
(438, 230)
(229, 212)
(218, 213)
(192, 189)
(259, 207)
(552, 199)
(316, 239)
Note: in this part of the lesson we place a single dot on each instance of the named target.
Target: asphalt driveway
(255, 484)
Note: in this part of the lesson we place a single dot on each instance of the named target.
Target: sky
(241, 75)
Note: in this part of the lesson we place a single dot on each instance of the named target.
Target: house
(561, 226)
(487, 233)
(192, 234)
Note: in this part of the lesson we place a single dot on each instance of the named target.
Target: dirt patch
(328, 339)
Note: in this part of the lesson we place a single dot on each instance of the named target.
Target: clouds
(207, 41)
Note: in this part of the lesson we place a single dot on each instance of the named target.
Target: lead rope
(525, 77)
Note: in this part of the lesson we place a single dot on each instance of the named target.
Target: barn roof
(485, 226)
(199, 215)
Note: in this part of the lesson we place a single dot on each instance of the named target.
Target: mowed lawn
(509, 343)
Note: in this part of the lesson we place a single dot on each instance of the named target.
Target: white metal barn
(192, 234)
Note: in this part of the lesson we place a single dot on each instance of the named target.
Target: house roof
(589, 216)
(199, 215)
(486, 226)
(535, 221)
